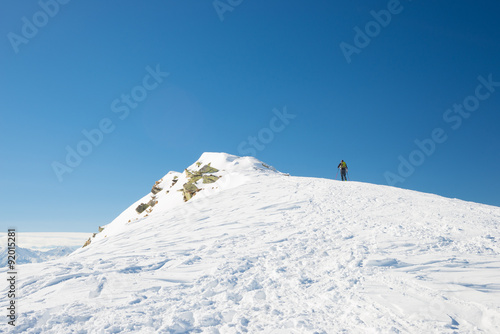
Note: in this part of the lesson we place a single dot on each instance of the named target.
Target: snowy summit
(230, 245)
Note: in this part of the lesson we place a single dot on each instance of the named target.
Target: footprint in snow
(454, 323)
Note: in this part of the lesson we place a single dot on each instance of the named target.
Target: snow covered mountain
(34, 247)
(230, 245)
(26, 255)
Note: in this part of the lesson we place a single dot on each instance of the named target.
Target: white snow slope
(267, 252)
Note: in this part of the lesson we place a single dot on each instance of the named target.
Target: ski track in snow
(280, 254)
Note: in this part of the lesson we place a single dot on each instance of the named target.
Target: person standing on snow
(343, 170)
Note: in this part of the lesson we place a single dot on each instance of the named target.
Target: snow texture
(261, 251)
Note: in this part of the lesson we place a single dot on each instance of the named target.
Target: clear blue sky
(82, 65)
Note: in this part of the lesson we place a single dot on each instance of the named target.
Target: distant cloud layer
(47, 240)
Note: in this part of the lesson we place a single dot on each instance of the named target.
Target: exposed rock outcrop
(189, 188)
(141, 207)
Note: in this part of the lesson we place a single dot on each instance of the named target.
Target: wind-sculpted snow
(278, 254)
